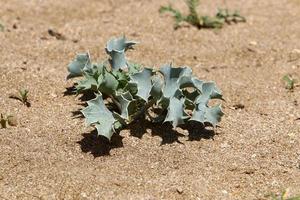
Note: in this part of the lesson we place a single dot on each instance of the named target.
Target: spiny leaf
(143, 83)
(90, 80)
(116, 49)
(197, 83)
(208, 91)
(204, 114)
(156, 90)
(88, 83)
(176, 114)
(127, 105)
(81, 62)
(95, 69)
(97, 114)
(107, 83)
(122, 78)
(186, 79)
(172, 80)
(133, 67)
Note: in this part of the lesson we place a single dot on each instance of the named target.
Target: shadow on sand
(101, 146)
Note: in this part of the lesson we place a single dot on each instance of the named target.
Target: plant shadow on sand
(71, 91)
(101, 146)
(84, 97)
(165, 131)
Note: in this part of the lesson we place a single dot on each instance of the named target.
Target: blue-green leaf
(97, 114)
(88, 83)
(142, 80)
(116, 49)
(133, 67)
(171, 76)
(208, 91)
(175, 79)
(107, 83)
(127, 105)
(204, 114)
(176, 114)
(81, 62)
(156, 90)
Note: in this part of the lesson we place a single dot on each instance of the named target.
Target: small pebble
(83, 194)
(253, 43)
(224, 192)
(179, 190)
(12, 121)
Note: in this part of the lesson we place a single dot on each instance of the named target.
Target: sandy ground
(51, 154)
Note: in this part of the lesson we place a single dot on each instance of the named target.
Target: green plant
(10, 120)
(223, 16)
(289, 82)
(125, 92)
(22, 96)
(23, 93)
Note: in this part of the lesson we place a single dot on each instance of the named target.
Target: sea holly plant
(125, 92)
(222, 16)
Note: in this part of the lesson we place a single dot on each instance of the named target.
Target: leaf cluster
(126, 91)
(222, 16)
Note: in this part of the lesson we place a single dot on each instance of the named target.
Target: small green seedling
(22, 96)
(223, 16)
(289, 82)
(126, 92)
(10, 120)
